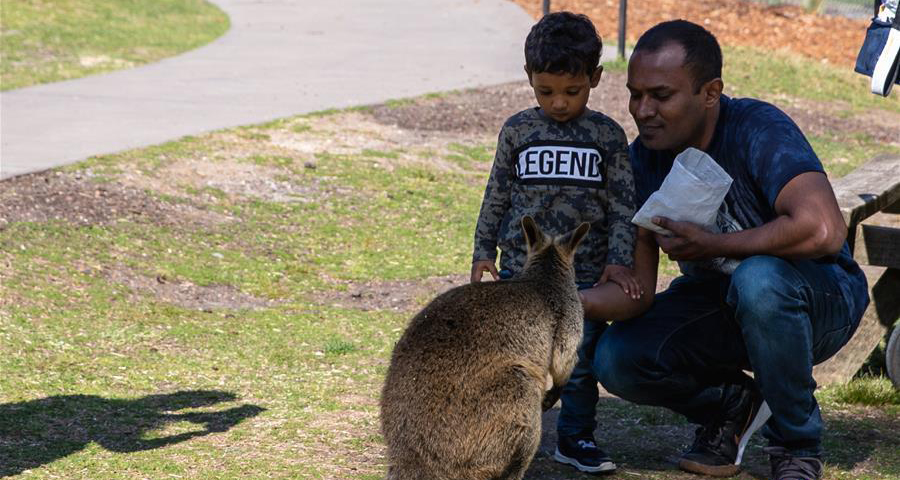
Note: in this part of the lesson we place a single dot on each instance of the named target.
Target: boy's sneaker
(788, 467)
(719, 445)
(583, 454)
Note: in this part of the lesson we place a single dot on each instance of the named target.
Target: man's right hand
(481, 266)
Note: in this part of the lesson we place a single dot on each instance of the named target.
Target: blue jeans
(577, 413)
(773, 316)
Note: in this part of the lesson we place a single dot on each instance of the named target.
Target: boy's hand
(481, 266)
(625, 278)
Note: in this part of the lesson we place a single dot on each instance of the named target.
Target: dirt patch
(402, 296)
(470, 110)
(406, 296)
(79, 199)
(824, 38)
(385, 136)
(184, 294)
(827, 119)
(227, 176)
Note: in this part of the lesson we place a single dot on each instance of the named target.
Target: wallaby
(468, 378)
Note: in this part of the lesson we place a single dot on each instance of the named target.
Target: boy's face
(563, 96)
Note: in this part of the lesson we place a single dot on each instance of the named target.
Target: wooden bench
(872, 188)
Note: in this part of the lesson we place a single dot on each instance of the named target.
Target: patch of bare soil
(402, 295)
(611, 97)
(226, 175)
(405, 295)
(182, 293)
(77, 199)
(827, 120)
(387, 141)
(472, 111)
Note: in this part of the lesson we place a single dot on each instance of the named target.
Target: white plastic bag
(692, 191)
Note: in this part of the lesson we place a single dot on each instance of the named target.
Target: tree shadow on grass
(643, 441)
(863, 439)
(37, 432)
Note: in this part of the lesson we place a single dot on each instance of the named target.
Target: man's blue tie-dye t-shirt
(762, 149)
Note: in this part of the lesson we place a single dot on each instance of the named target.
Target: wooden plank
(869, 188)
(878, 246)
(883, 311)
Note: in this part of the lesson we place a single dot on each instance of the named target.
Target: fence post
(623, 7)
(546, 7)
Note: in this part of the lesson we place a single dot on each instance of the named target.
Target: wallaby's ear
(571, 240)
(533, 236)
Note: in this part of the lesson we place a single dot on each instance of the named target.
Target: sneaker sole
(711, 470)
(760, 418)
(603, 467)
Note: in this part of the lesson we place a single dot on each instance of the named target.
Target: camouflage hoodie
(561, 174)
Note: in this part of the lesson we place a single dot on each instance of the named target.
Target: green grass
(865, 390)
(616, 65)
(754, 73)
(105, 379)
(46, 41)
(841, 155)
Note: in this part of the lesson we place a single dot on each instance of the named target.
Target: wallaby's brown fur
(463, 395)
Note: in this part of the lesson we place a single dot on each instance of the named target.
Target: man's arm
(607, 301)
(809, 225)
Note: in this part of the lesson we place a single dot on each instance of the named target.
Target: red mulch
(829, 39)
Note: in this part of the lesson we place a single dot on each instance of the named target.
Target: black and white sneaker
(583, 454)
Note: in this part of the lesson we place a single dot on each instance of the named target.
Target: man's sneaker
(719, 445)
(583, 454)
(788, 467)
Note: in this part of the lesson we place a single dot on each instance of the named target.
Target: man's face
(667, 111)
(563, 96)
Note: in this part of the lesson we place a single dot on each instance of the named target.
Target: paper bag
(692, 191)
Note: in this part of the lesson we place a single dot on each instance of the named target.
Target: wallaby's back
(462, 397)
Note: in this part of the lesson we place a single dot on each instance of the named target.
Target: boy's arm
(494, 205)
(621, 206)
(607, 301)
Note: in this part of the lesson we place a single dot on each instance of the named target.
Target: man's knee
(617, 364)
(762, 284)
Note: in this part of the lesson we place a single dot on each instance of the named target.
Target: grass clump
(865, 390)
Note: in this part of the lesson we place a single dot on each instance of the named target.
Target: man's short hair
(702, 54)
(563, 42)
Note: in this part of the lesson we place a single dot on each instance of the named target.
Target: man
(794, 299)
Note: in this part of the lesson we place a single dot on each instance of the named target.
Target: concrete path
(280, 58)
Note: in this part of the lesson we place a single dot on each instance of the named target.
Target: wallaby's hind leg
(522, 456)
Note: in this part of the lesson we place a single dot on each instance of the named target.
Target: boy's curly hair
(563, 42)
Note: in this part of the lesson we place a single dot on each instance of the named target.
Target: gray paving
(280, 58)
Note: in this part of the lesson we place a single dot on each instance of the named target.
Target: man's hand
(689, 241)
(625, 278)
(481, 266)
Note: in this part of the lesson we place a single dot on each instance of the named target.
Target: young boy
(564, 164)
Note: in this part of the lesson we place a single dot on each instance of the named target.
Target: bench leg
(892, 357)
